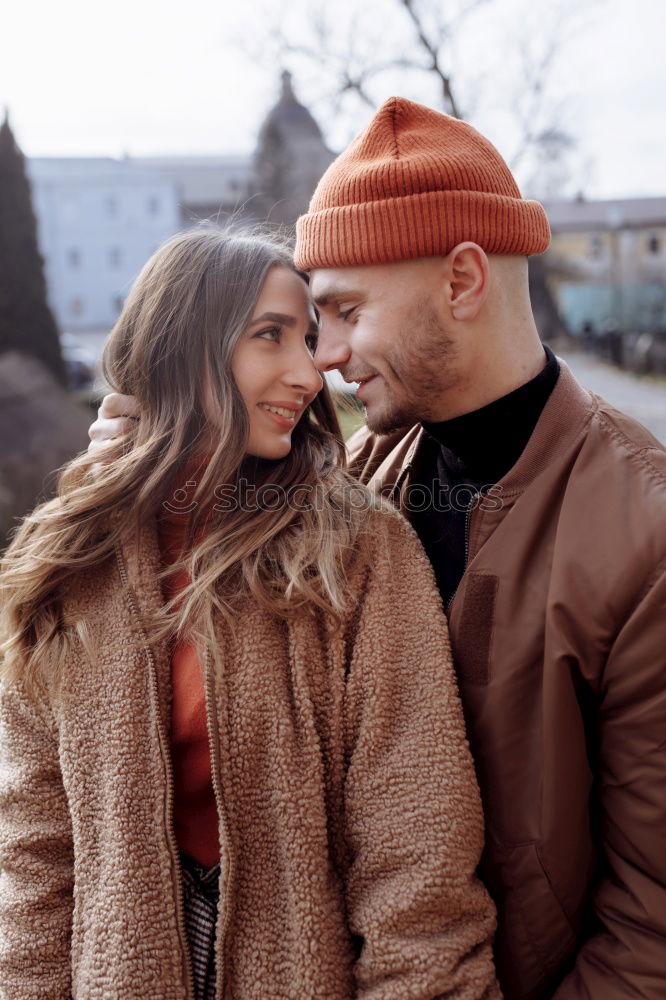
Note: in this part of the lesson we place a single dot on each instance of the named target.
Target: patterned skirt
(200, 896)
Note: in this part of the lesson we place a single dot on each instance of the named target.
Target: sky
(148, 77)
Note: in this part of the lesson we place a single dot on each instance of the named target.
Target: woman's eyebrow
(283, 319)
(272, 317)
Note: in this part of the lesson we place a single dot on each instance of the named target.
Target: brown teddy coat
(350, 819)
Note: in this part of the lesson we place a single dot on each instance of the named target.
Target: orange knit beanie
(416, 183)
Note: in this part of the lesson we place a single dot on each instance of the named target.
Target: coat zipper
(166, 760)
(225, 846)
(468, 519)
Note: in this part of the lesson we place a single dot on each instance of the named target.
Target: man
(543, 511)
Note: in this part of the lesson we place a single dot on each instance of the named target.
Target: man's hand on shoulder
(115, 417)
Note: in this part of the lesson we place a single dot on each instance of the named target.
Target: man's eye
(270, 333)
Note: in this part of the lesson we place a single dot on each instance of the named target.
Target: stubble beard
(424, 367)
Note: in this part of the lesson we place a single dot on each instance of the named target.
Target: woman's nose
(304, 375)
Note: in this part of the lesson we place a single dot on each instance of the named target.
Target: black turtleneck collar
(484, 444)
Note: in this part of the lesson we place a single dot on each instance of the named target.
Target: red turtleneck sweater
(195, 810)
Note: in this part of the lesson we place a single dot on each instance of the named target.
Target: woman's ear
(469, 280)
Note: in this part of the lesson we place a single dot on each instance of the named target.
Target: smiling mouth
(282, 411)
(284, 417)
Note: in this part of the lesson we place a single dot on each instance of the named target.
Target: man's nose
(333, 350)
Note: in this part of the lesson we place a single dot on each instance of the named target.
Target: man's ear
(469, 280)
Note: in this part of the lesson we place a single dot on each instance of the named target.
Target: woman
(219, 649)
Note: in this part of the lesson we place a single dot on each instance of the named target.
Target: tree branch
(434, 66)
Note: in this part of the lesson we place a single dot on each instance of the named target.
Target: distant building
(98, 222)
(607, 263)
(290, 157)
(274, 184)
(99, 219)
(206, 187)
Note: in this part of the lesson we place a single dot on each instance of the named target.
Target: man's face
(384, 326)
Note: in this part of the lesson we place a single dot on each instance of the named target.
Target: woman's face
(272, 363)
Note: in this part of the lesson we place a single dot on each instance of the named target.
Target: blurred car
(79, 362)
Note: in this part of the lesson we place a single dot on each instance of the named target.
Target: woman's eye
(270, 333)
(346, 313)
(311, 342)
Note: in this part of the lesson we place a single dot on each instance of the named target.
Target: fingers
(117, 405)
(97, 447)
(103, 432)
(116, 416)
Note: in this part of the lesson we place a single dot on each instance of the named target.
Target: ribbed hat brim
(428, 224)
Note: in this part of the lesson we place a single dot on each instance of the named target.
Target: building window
(596, 246)
(654, 245)
(153, 206)
(74, 257)
(115, 256)
(111, 205)
(70, 208)
(76, 307)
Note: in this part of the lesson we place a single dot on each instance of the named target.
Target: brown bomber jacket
(350, 819)
(558, 631)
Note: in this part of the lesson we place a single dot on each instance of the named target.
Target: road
(643, 398)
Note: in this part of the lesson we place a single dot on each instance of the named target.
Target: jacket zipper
(225, 851)
(468, 519)
(166, 760)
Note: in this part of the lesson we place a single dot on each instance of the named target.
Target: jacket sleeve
(36, 866)
(423, 921)
(627, 956)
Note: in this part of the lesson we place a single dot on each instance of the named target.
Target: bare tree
(349, 58)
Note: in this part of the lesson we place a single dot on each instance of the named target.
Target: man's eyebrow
(283, 319)
(335, 293)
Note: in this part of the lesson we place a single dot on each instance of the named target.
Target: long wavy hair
(177, 332)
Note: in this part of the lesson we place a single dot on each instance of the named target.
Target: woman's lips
(285, 423)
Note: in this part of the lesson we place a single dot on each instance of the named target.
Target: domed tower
(290, 157)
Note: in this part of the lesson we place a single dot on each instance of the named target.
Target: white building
(207, 187)
(99, 219)
(98, 222)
